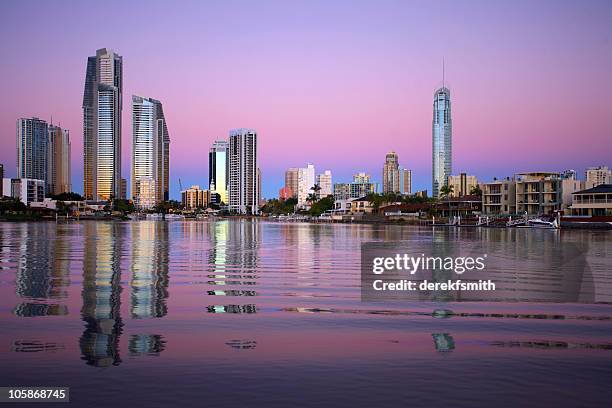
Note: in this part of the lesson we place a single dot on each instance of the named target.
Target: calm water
(228, 313)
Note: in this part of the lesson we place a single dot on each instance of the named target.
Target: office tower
(291, 180)
(405, 181)
(1, 179)
(150, 150)
(32, 139)
(195, 197)
(442, 140)
(324, 181)
(306, 181)
(102, 104)
(218, 172)
(462, 184)
(361, 178)
(243, 171)
(391, 174)
(58, 161)
(597, 175)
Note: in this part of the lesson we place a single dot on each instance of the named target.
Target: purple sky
(334, 83)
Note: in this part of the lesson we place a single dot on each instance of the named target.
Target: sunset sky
(335, 83)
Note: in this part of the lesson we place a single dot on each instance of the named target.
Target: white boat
(541, 223)
(175, 217)
(154, 216)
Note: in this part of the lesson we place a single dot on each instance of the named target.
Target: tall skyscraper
(218, 171)
(391, 174)
(58, 161)
(1, 180)
(442, 140)
(243, 187)
(150, 151)
(32, 149)
(324, 181)
(102, 105)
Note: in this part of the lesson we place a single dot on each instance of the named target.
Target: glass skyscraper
(218, 172)
(442, 140)
(102, 104)
(32, 148)
(150, 150)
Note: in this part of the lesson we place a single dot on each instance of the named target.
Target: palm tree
(315, 191)
(475, 190)
(446, 191)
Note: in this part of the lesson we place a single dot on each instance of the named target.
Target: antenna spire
(443, 72)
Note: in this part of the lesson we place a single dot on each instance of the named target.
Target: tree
(475, 190)
(322, 205)
(446, 191)
(10, 204)
(123, 206)
(275, 206)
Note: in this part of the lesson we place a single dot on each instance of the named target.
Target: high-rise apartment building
(306, 181)
(391, 174)
(360, 187)
(291, 181)
(32, 149)
(25, 189)
(462, 184)
(150, 151)
(102, 105)
(218, 171)
(442, 134)
(324, 181)
(243, 187)
(1, 178)
(597, 175)
(58, 161)
(405, 181)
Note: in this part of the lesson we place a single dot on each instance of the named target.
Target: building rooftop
(602, 188)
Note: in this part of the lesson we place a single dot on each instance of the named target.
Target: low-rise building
(361, 206)
(25, 189)
(499, 197)
(595, 201)
(466, 206)
(538, 193)
(195, 197)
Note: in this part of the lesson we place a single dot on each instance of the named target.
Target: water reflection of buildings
(42, 270)
(102, 293)
(149, 283)
(233, 258)
(146, 345)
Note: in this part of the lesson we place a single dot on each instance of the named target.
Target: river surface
(246, 313)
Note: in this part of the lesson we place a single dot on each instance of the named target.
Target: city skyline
(353, 105)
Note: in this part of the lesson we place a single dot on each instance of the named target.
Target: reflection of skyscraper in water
(218, 254)
(149, 269)
(243, 244)
(42, 271)
(101, 294)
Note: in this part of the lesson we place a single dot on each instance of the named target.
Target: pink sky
(334, 83)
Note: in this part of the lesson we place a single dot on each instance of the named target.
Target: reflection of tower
(149, 269)
(243, 244)
(101, 294)
(218, 255)
(42, 271)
